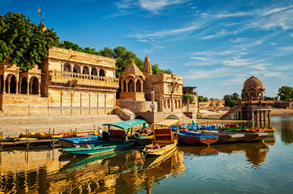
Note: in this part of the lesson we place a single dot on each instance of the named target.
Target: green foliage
(230, 99)
(70, 45)
(189, 97)
(285, 93)
(202, 99)
(25, 42)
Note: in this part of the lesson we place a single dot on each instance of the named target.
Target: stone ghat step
(17, 125)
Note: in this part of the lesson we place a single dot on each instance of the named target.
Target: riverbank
(281, 112)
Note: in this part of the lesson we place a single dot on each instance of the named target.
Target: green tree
(285, 93)
(202, 99)
(235, 97)
(156, 69)
(25, 42)
(189, 97)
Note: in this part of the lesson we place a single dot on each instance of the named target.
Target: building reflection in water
(255, 152)
(40, 172)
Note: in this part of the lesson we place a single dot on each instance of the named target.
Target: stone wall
(160, 116)
(137, 106)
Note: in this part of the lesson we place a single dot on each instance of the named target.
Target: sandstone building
(66, 83)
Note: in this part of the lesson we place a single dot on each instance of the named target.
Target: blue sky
(215, 45)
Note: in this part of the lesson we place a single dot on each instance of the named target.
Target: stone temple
(253, 106)
(153, 97)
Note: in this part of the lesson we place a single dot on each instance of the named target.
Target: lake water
(231, 168)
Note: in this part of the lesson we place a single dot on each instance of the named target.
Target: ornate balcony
(83, 79)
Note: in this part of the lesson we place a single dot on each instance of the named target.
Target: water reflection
(255, 152)
(40, 172)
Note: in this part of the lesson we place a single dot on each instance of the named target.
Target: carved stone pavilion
(253, 105)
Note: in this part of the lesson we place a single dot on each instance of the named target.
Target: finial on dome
(147, 55)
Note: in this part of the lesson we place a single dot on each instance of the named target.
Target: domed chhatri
(253, 82)
(253, 89)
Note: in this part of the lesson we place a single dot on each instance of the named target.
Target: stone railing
(83, 79)
(255, 102)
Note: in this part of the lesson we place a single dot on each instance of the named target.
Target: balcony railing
(83, 79)
(255, 102)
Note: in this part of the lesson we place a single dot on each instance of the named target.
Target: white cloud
(152, 49)
(236, 80)
(154, 5)
(237, 62)
(272, 74)
(260, 66)
(221, 33)
(219, 53)
(204, 15)
(236, 14)
(142, 40)
(199, 58)
(271, 11)
(239, 40)
(291, 35)
(272, 43)
(204, 74)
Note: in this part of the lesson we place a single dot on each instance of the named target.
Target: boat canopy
(126, 124)
(167, 122)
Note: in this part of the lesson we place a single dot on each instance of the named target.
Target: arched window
(138, 86)
(66, 67)
(102, 73)
(94, 71)
(85, 70)
(130, 86)
(179, 104)
(165, 103)
(13, 84)
(253, 96)
(76, 69)
(35, 85)
(176, 103)
(23, 87)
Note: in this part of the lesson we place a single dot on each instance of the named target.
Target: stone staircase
(228, 115)
(124, 113)
(17, 125)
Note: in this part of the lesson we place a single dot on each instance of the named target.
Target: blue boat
(116, 140)
(196, 138)
(71, 142)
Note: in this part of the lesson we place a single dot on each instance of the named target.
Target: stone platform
(17, 125)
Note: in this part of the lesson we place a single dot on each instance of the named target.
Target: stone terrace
(59, 123)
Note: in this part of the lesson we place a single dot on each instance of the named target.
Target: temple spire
(147, 69)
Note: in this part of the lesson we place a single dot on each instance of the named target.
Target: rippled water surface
(260, 167)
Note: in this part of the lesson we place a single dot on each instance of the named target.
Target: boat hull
(160, 151)
(98, 149)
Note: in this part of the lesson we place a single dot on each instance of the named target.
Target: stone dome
(253, 82)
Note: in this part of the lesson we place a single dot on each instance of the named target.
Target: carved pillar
(240, 115)
(266, 116)
(126, 86)
(257, 115)
(19, 86)
(31, 87)
(269, 115)
(141, 86)
(4, 84)
(135, 85)
(1, 85)
(39, 88)
(28, 88)
(81, 69)
(122, 86)
(98, 72)
(16, 86)
(71, 68)
(252, 115)
(90, 70)
(172, 103)
(8, 85)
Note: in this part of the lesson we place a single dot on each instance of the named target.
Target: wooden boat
(237, 136)
(42, 135)
(164, 140)
(196, 138)
(116, 140)
(71, 142)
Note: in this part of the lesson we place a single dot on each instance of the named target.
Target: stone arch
(34, 82)
(76, 69)
(12, 85)
(173, 117)
(66, 67)
(130, 85)
(23, 87)
(139, 117)
(94, 71)
(138, 86)
(102, 73)
(85, 70)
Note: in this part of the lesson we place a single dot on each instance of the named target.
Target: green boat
(115, 141)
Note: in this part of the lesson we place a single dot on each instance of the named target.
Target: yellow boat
(164, 141)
